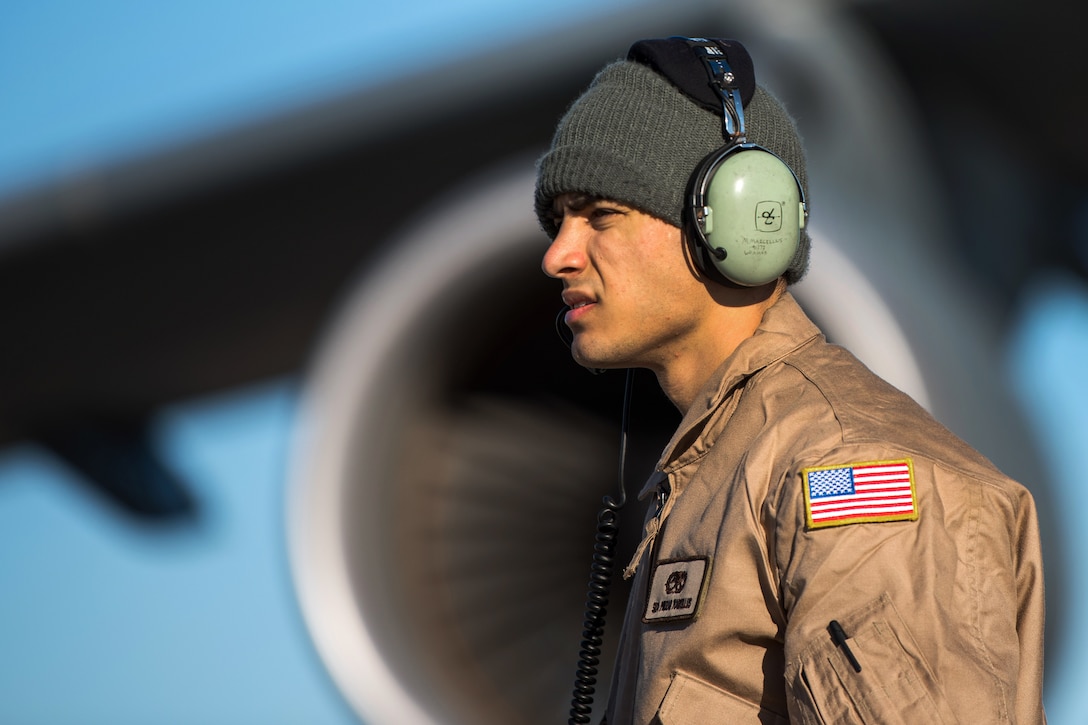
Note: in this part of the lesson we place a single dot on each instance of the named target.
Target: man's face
(634, 296)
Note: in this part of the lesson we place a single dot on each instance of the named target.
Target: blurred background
(285, 431)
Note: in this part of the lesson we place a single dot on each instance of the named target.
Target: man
(820, 549)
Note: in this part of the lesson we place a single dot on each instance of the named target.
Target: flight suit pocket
(894, 684)
(690, 701)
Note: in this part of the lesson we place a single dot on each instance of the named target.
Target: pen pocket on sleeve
(876, 674)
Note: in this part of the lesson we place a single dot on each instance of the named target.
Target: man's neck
(686, 372)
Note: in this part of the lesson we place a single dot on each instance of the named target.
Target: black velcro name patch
(676, 589)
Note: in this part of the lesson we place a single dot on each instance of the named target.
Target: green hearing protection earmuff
(745, 207)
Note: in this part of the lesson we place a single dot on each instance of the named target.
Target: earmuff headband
(745, 207)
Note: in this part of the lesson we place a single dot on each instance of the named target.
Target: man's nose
(566, 255)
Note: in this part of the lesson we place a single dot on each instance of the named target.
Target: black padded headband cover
(673, 58)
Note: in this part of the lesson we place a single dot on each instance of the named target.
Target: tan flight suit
(940, 608)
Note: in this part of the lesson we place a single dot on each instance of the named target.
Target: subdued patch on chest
(676, 589)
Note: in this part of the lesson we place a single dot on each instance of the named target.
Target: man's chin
(595, 362)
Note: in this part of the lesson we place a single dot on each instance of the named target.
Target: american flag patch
(860, 493)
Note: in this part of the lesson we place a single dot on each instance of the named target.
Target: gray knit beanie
(634, 138)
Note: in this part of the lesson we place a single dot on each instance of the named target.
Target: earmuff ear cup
(746, 211)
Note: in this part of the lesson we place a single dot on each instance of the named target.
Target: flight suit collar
(784, 328)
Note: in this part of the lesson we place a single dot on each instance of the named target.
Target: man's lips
(577, 312)
(579, 305)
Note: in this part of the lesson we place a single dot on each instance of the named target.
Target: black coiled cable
(600, 583)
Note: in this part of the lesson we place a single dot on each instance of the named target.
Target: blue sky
(82, 83)
(105, 621)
